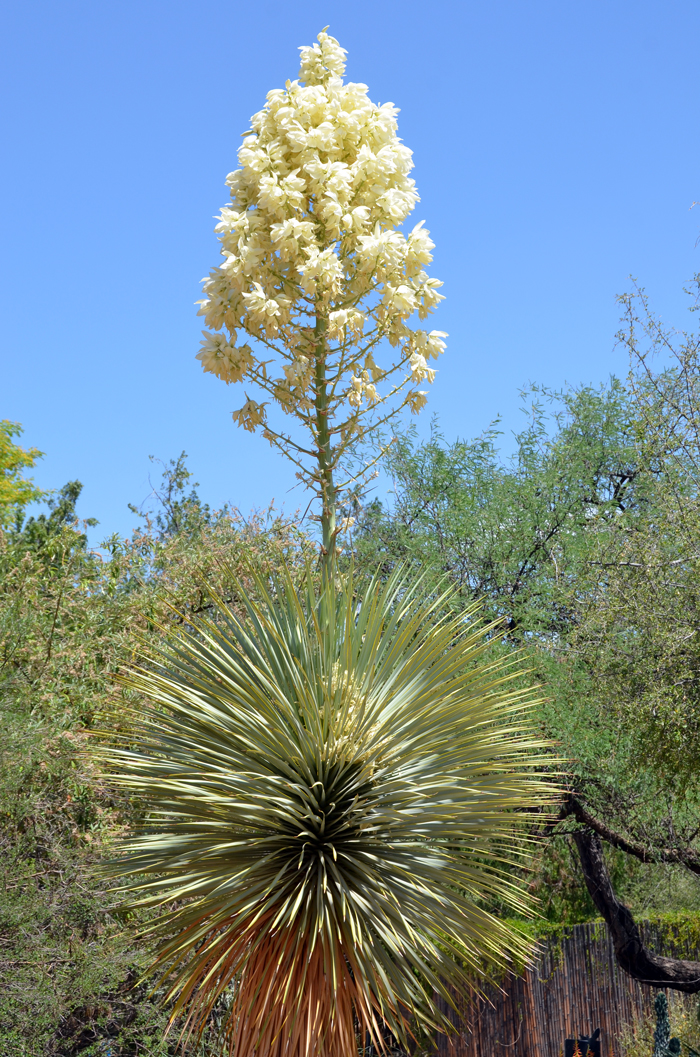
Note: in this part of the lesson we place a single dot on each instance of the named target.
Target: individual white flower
(401, 299)
(252, 254)
(330, 210)
(419, 250)
(430, 298)
(397, 204)
(357, 219)
(420, 369)
(218, 356)
(291, 233)
(430, 345)
(229, 220)
(294, 187)
(271, 197)
(345, 524)
(298, 372)
(371, 367)
(370, 393)
(436, 345)
(355, 392)
(250, 415)
(262, 309)
(322, 137)
(356, 321)
(337, 321)
(383, 249)
(240, 362)
(322, 271)
(417, 401)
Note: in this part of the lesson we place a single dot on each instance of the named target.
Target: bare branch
(574, 808)
(631, 954)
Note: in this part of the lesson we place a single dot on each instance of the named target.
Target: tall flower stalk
(335, 783)
(318, 278)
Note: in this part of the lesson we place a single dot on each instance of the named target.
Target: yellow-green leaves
(15, 491)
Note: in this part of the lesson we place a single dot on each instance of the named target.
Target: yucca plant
(336, 782)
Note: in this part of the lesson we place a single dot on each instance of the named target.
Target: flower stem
(325, 460)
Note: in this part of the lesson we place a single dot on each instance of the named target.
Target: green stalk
(325, 467)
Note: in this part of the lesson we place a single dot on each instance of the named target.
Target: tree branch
(689, 859)
(630, 952)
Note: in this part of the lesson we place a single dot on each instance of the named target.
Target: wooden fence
(574, 987)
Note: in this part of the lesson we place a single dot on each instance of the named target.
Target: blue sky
(556, 149)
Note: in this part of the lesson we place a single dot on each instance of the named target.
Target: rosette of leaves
(336, 782)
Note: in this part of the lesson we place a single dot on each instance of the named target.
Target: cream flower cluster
(315, 268)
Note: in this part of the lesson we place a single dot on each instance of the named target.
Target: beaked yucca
(336, 781)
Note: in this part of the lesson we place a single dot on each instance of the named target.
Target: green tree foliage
(15, 491)
(508, 533)
(585, 544)
(68, 960)
(638, 616)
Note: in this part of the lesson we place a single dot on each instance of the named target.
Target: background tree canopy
(68, 617)
(583, 544)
